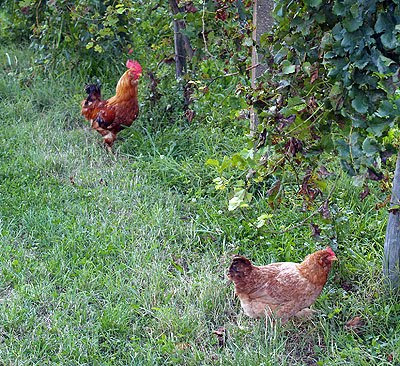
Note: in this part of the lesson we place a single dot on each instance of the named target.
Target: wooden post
(180, 53)
(391, 261)
(263, 22)
(181, 41)
(183, 49)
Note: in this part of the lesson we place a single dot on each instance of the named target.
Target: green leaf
(212, 162)
(339, 8)
(336, 89)
(237, 200)
(98, 48)
(394, 208)
(178, 267)
(262, 220)
(336, 96)
(248, 42)
(306, 67)
(280, 55)
(358, 122)
(378, 128)
(387, 61)
(360, 103)
(313, 3)
(288, 68)
(352, 24)
(265, 40)
(238, 161)
(358, 180)
(386, 109)
(383, 23)
(389, 40)
(370, 147)
(343, 148)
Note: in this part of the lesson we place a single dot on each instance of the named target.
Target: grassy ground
(121, 260)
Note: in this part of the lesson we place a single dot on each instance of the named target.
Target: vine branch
(231, 74)
(302, 222)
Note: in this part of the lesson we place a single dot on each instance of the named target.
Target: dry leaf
(222, 336)
(380, 205)
(364, 193)
(189, 114)
(326, 214)
(355, 324)
(183, 346)
(314, 76)
(315, 230)
(323, 172)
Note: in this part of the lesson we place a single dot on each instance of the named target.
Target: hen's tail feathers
(239, 268)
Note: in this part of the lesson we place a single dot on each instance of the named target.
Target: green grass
(121, 260)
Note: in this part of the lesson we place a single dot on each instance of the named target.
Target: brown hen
(281, 289)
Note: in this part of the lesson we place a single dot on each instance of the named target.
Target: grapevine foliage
(332, 86)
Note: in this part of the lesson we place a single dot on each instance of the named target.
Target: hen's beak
(333, 258)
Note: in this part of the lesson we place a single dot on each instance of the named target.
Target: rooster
(108, 117)
(281, 289)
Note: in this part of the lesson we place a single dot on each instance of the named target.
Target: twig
(37, 12)
(350, 143)
(294, 169)
(204, 30)
(305, 121)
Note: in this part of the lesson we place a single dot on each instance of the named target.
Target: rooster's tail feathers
(93, 88)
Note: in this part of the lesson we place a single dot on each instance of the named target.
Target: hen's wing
(276, 283)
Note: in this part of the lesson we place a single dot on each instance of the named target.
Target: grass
(121, 260)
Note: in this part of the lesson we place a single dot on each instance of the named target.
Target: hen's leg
(306, 313)
(285, 312)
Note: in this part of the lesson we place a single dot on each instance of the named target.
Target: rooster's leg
(109, 139)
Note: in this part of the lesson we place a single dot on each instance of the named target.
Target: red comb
(131, 63)
(134, 66)
(330, 251)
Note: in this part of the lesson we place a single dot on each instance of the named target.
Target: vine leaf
(370, 147)
(288, 68)
(360, 103)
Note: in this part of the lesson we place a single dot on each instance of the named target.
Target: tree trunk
(263, 21)
(391, 261)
